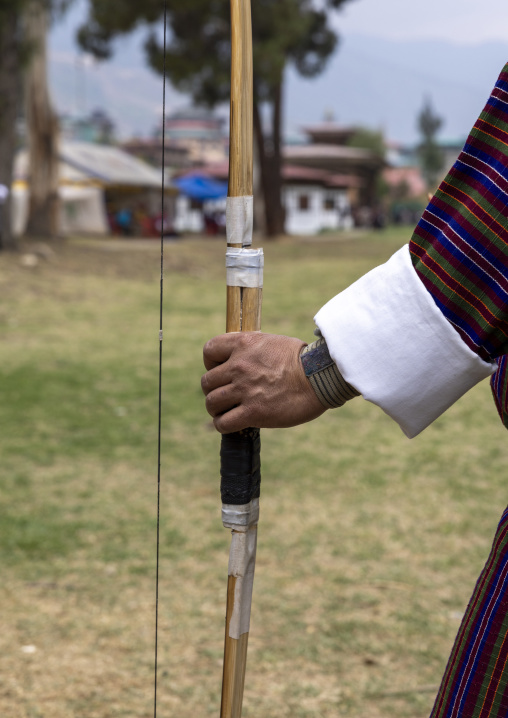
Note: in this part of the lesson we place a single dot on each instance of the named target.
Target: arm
(416, 333)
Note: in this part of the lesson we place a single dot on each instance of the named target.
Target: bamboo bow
(240, 452)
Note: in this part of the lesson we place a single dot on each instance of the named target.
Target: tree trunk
(259, 199)
(270, 161)
(10, 99)
(42, 130)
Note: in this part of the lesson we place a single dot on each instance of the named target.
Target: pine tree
(431, 156)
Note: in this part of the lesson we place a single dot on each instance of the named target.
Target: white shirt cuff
(392, 343)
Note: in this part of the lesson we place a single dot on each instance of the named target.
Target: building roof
(193, 112)
(83, 162)
(152, 143)
(329, 133)
(331, 156)
(109, 165)
(150, 150)
(290, 173)
(194, 123)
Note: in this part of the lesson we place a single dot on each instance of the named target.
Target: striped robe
(416, 333)
(460, 252)
(460, 246)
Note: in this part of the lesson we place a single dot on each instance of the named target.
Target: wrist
(328, 384)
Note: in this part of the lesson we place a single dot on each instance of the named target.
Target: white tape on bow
(242, 560)
(242, 517)
(244, 267)
(239, 219)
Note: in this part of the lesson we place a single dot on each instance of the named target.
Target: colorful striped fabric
(460, 246)
(460, 252)
(499, 384)
(475, 683)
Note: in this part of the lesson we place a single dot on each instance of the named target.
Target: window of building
(303, 202)
(196, 204)
(329, 203)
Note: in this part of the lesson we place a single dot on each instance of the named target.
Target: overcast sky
(416, 49)
(461, 21)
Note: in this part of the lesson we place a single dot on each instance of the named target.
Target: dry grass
(369, 544)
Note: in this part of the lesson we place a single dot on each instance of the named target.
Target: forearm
(391, 342)
(416, 333)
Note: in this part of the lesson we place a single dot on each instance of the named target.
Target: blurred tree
(368, 139)
(11, 57)
(374, 141)
(198, 60)
(42, 126)
(431, 155)
(20, 44)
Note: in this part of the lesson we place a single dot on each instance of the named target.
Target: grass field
(369, 544)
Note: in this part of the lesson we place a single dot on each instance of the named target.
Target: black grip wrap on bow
(240, 467)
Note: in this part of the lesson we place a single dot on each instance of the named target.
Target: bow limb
(240, 452)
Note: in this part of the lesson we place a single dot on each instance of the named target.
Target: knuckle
(241, 366)
(209, 404)
(248, 338)
(224, 423)
(218, 423)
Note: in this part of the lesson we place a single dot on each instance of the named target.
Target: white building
(316, 200)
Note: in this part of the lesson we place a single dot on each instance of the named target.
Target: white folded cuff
(392, 343)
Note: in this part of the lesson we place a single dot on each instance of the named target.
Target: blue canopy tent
(201, 187)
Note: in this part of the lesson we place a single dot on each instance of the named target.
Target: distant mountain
(374, 82)
(129, 92)
(382, 84)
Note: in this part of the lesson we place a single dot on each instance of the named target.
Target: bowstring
(160, 368)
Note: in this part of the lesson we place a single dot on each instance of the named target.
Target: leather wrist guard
(331, 388)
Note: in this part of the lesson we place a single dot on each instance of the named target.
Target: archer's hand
(256, 379)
